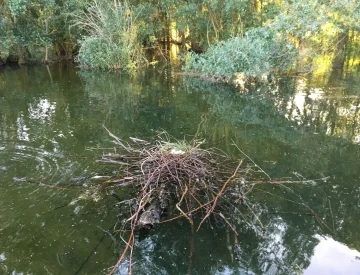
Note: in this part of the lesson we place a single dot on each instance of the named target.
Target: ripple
(38, 163)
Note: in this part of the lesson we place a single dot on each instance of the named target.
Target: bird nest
(178, 175)
(174, 177)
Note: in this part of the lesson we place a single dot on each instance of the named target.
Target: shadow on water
(51, 130)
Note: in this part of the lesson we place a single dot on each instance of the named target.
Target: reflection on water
(331, 257)
(333, 110)
(51, 130)
(42, 110)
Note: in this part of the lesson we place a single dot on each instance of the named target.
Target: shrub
(259, 52)
(111, 40)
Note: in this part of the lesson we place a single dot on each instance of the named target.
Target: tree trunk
(46, 47)
(340, 54)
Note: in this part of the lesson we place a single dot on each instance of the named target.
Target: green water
(51, 129)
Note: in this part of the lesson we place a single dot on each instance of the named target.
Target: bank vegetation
(219, 39)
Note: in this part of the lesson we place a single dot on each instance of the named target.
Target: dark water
(51, 124)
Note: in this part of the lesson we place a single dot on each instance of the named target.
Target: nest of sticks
(171, 174)
(174, 177)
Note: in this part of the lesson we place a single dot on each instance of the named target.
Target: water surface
(51, 130)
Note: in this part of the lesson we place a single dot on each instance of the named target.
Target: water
(51, 129)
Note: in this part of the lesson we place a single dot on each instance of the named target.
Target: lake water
(304, 128)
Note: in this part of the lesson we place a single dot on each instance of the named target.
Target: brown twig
(178, 206)
(214, 201)
(227, 222)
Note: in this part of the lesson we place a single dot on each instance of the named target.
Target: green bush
(111, 39)
(258, 52)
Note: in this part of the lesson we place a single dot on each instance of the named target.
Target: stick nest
(175, 177)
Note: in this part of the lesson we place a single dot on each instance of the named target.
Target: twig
(92, 251)
(227, 222)
(191, 249)
(257, 218)
(219, 194)
(124, 252)
(247, 192)
(289, 181)
(251, 160)
(117, 140)
(112, 161)
(178, 207)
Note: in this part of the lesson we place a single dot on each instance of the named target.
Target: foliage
(296, 31)
(257, 53)
(111, 40)
(6, 39)
(17, 7)
(113, 34)
(30, 27)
